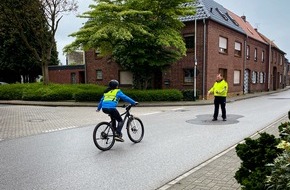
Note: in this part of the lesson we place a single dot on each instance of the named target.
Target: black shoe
(214, 119)
(119, 138)
(224, 119)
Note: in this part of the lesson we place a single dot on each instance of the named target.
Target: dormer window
(222, 14)
(232, 19)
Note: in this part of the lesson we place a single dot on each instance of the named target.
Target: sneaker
(119, 138)
(214, 119)
(224, 119)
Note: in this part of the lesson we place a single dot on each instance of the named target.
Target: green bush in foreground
(255, 154)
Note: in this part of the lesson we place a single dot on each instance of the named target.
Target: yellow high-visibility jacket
(219, 88)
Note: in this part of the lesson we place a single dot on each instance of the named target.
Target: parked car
(2, 83)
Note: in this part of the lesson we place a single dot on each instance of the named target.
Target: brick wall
(63, 74)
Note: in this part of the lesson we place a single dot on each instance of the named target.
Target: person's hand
(136, 103)
(97, 110)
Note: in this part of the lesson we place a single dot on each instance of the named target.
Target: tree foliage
(35, 23)
(141, 35)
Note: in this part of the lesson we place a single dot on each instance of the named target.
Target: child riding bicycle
(108, 104)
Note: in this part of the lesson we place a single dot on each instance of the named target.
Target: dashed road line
(151, 113)
(59, 129)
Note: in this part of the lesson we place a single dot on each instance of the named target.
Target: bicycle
(104, 132)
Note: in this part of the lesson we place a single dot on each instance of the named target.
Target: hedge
(79, 92)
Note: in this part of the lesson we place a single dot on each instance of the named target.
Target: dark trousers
(218, 100)
(115, 115)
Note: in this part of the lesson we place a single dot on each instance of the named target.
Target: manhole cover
(206, 119)
(36, 120)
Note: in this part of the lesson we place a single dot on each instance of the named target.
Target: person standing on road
(108, 104)
(220, 91)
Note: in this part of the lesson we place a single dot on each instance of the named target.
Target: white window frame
(188, 75)
(248, 52)
(99, 74)
(238, 49)
(256, 54)
(237, 77)
(254, 77)
(223, 45)
(262, 78)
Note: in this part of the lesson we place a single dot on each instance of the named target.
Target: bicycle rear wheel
(104, 136)
(135, 129)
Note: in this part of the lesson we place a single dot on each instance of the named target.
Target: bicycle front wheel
(103, 136)
(135, 129)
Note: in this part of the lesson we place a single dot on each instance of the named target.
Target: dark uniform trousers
(219, 100)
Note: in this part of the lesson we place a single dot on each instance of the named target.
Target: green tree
(15, 59)
(141, 35)
(36, 22)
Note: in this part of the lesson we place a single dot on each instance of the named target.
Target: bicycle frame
(126, 113)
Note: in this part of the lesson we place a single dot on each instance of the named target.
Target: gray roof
(209, 9)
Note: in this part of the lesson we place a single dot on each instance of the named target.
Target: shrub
(255, 154)
(284, 131)
(88, 95)
(154, 95)
(188, 95)
(280, 175)
(11, 92)
(79, 92)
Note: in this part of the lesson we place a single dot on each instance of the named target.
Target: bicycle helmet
(113, 84)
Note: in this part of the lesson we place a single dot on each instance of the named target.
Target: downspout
(269, 69)
(195, 60)
(84, 61)
(204, 57)
(245, 62)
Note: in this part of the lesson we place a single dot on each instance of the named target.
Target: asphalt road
(176, 140)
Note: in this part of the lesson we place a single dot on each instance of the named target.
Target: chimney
(256, 29)
(244, 18)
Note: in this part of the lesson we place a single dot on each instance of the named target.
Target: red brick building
(222, 42)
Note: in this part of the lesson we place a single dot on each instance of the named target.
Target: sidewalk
(216, 173)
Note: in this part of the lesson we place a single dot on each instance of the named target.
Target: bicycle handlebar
(128, 107)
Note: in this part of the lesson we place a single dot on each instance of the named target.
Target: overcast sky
(270, 17)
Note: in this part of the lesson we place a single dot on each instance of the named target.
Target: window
(188, 75)
(73, 78)
(237, 77)
(99, 74)
(222, 14)
(97, 53)
(263, 56)
(281, 59)
(256, 54)
(248, 52)
(254, 77)
(238, 49)
(262, 78)
(189, 41)
(126, 78)
(223, 45)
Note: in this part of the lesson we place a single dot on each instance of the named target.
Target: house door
(275, 78)
(81, 77)
(246, 81)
